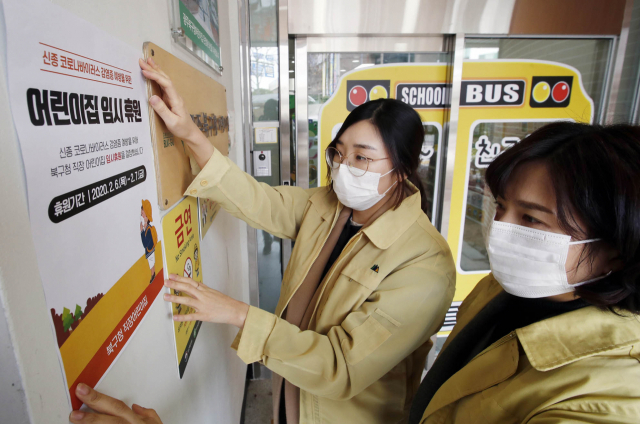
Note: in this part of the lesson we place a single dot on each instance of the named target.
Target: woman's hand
(174, 114)
(110, 410)
(210, 304)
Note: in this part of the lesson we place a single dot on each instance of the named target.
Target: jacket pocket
(366, 277)
(365, 339)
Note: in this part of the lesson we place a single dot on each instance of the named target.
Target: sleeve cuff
(251, 340)
(210, 175)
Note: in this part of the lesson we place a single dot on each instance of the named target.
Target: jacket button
(193, 192)
(203, 183)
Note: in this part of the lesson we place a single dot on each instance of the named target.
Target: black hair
(595, 172)
(401, 130)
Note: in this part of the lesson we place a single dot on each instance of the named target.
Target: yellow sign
(207, 209)
(182, 251)
(501, 102)
(422, 86)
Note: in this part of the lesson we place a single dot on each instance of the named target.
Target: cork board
(206, 101)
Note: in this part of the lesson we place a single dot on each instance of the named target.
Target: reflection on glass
(588, 56)
(429, 162)
(264, 59)
(264, 83)
(490, 139)
(292, 112)
(269, 270)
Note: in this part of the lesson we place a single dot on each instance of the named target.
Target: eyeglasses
(357, 163)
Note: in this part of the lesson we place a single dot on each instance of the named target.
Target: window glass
(588, 56)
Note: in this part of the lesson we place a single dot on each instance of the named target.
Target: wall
(31, 384)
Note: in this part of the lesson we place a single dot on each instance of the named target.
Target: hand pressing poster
(80, 109)
(180, 226)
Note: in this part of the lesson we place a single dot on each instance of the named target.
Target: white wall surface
(31, 383)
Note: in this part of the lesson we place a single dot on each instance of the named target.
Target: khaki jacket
(578, 367)
(388, 292)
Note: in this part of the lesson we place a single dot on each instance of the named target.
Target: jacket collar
(485, 291)
(566, 338)
(569, 337)
(548, 344)
(490, 367)
(325, 202)
(387, 228)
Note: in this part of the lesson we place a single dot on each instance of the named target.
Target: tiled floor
(258, 405)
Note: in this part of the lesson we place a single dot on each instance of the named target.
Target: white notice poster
(79, 105)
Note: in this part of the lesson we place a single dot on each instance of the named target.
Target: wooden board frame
(206, 101)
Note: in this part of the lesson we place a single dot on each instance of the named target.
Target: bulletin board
(206, 101)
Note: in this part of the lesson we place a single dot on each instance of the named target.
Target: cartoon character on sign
(149, 236)
(196, 256)
(188, 268)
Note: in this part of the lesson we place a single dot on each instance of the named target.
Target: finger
(144, 65)
(81, 417)
(145, 412)
(165, 83)
(181, 300)
(186, 280)
(152, 69)
(184, 287)
(188, 317)
(161, 109)
(155, 66)
(102, 403)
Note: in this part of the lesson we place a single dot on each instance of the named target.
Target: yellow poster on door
(182, 252)
(423, 86)
(501, 102)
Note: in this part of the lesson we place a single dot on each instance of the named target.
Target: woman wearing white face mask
(369, 279)
(553, 334)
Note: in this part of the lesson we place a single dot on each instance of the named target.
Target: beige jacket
(387, 293)
(578, 367)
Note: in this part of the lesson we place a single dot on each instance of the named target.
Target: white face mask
(357, 193)
(531, 263)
